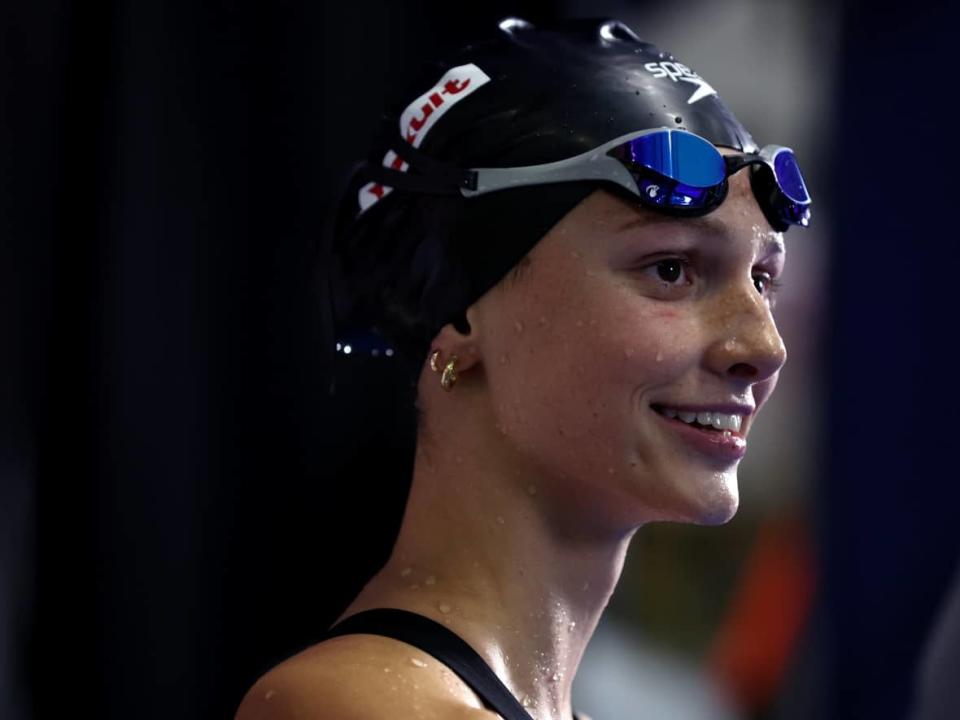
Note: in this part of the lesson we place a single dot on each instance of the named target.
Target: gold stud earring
(449, 377)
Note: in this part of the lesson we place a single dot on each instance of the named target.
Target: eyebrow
(773, 245)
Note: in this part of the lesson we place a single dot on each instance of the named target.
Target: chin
(712, 502)
(719, 505)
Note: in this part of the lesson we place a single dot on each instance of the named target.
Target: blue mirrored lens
(678, 155)
(788, 177)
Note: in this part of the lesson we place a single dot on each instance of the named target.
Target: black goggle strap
(437, 177)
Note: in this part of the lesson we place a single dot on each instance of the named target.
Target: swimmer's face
(624, 312)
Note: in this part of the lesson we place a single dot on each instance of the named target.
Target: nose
(746, 344)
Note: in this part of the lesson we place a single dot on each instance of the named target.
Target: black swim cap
(403, 263)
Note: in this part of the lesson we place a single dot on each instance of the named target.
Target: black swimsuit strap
(443, 644)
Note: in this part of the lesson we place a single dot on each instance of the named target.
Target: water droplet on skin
(729, 345)
(444, 608)
(542, 320)
(571, 627)
(386, 669)
(628, 352)
(269, 694)
(417, 663)
(532, 489)
(526, 701)
(518, 326)
(504, 359)
(406, 571)
(659, 356)
(555, 677)
(610, 471)
(579, 323)
(501, 429)
(576, 255)
(431, 580)
(500, 520)
(586, 585)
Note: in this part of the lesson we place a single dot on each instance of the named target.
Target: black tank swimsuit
(443, 644)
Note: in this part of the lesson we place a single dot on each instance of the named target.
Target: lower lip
(709, 442)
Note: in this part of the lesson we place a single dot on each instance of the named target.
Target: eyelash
(772, 284)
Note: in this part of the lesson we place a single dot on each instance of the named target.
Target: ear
(461, 338)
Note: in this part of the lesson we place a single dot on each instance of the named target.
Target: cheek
(575, 372)
(647, 344)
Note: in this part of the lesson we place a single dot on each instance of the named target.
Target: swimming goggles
(670, 170)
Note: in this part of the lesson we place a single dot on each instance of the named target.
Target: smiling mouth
(708, 421)
(709, 433)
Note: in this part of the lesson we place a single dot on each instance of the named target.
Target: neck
(509, 560)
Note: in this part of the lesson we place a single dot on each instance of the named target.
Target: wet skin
(532, 475)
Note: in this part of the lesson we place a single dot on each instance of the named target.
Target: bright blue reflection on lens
(680, 156)
(789, 178)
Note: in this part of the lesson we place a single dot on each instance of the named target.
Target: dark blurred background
(183, 504)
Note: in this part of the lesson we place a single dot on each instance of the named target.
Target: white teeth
(721, 421)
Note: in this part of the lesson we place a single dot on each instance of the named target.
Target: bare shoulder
(361, 677)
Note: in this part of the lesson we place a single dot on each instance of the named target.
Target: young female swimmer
(575, 245)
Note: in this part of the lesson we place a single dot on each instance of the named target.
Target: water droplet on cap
(417, 663)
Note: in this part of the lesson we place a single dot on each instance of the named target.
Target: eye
(766, 285)
(669, 270)
(668, 278)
